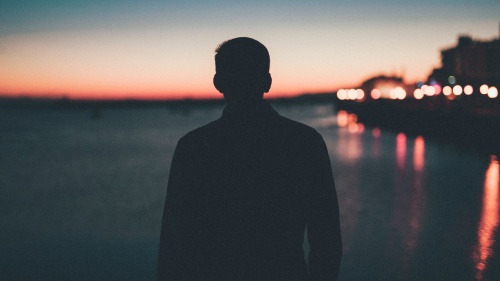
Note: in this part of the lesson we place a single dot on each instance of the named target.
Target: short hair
(242, 56)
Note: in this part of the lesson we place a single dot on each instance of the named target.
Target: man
(243, 188)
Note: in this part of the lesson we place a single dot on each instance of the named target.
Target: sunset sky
(165, 49)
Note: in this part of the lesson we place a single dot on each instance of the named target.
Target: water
(82, 198)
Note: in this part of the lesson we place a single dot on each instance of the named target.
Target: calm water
(81, 199)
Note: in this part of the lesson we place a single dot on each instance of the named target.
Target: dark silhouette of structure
(470, 62)
(243, 188)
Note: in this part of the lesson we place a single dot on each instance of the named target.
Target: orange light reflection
(376, 142)
(401, 150)
(342, 118)
(417, 198)
(489, 219)
(419, 154)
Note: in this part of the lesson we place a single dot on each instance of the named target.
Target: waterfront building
(471, 62)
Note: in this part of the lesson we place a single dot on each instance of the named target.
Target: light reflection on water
(89, 192)
(411, 211)
(488, 224)
(417, 202)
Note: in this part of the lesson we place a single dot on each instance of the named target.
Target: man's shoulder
(280, 125)
(202, 132)
(297, 126)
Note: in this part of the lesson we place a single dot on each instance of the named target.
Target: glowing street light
(468, 90)
(493, 92)
(447, 90)
(342, 94)
(437, 89)
(352, 94)
(400, 93)
(418, 94)
(457, 90)
(375, 93)
(484, 89)
(360, 94)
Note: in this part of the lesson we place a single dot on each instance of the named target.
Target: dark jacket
(240, 193)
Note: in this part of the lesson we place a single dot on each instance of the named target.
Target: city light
(447, 90)
(468, 90)
(392, 94)
(437, 89)
(400, 93)
(360, 94)
(375, 93)
(484, 89)
(418, 94)
(457, 90)
(452, 80)
(352, 94)
(493, 92)
(342, 94)
(429, 91)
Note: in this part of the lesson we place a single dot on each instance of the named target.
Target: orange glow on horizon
(112, 94)
(489, 218)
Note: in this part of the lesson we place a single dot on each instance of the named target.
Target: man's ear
(219, 84)
(268, 80)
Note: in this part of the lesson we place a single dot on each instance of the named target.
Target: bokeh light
(353, 127)
(342, 118)
(352, 118)
(437, 89)
(493, 92)
(457, 90)
(342, 94)
(375, 93)
(360, 94)
(468, 90)
(392, 94)
(400, 93)
(484, 89)
(352, 94)
(452, 80)
(430, 91)
(447, 90)
(418, 94)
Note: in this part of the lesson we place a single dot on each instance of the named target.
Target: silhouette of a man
(243, 188)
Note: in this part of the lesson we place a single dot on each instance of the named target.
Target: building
(469, 62)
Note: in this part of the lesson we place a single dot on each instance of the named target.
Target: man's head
(242, 69)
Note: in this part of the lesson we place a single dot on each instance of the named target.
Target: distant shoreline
(67, 103)
(470, 131)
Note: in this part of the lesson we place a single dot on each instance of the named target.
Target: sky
(146, 49)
